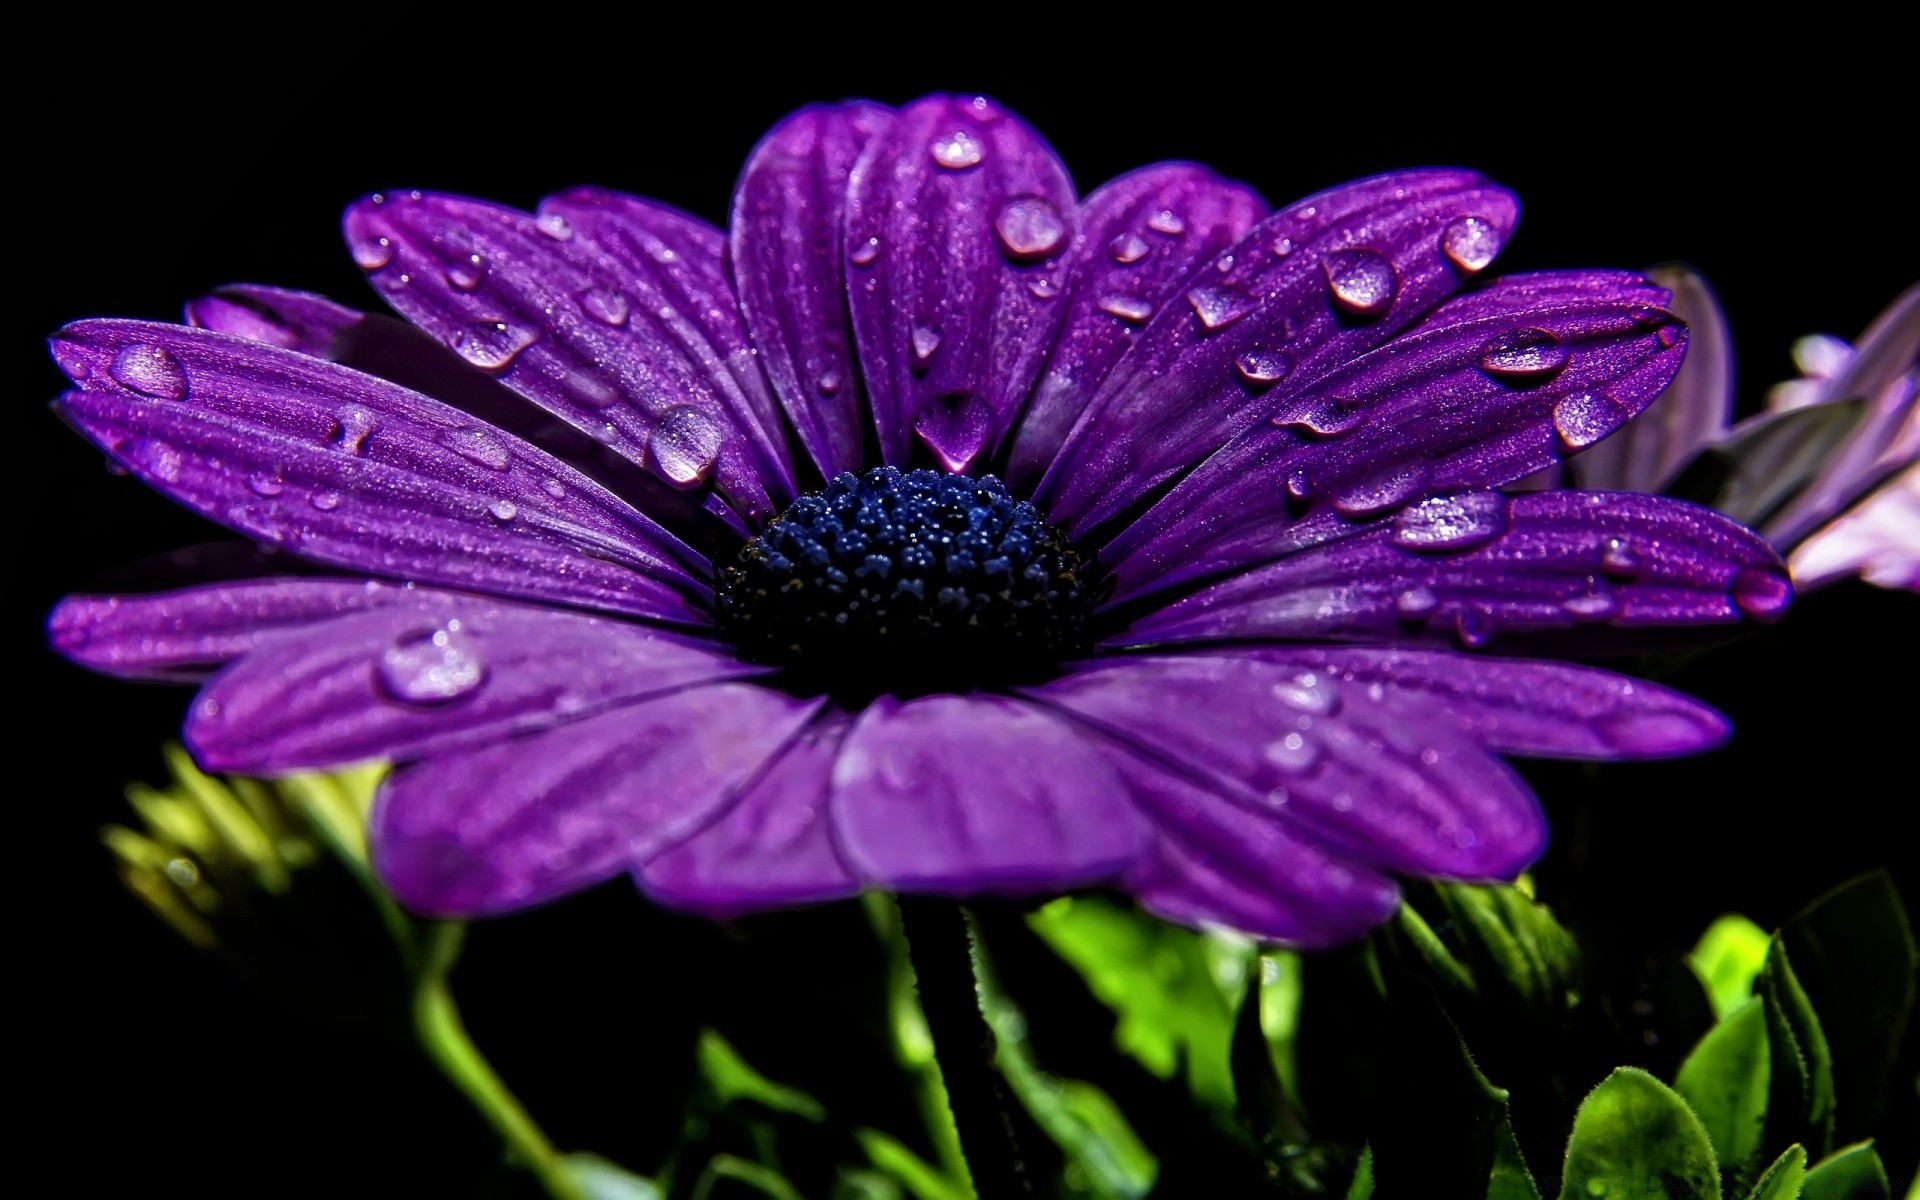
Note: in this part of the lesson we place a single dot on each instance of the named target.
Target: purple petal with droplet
(528, 820)
(1121, 261)
(349, 470)
(957, 299)
(1179, 394)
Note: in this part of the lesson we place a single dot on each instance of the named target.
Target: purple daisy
(1236, 634)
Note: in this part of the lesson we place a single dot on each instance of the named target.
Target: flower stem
(942, 950)
(436, 1019)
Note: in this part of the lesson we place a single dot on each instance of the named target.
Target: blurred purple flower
(1203, 644)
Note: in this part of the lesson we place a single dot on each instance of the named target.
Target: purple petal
(959, 219)
(522, 822)
(1141, 237)
(290, 320)
(1489, 388)
(181, 635)
(349, 470)
(772, 847)
(1314, 286)
(651, 357)
(1375, 777)
(1522, 706)
(1214, 862)
(1878, 540)
(1577, 566)
(788, 260)
(1688, 417)
(446, 672)
(962, 794)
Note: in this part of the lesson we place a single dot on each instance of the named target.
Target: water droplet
(556, 489)
(1763, 593)
(479, 445)
(1324, 416)
(265, 483)
(979, 109)
(956, 427)
(958, 150)
(432, 667)
(465, 275)
(1263, 367)
(685, 444)
(1597, 603)
(1131, 309)
(1618, 559)
(1670, 336)
(1459, 521)
(1300, 484)
(1168, 222)
(149, 370)
(1525, 354)
(828, 383)
(605, 306)
(591, 387)
(1218, 306)
(1128, 248)
(161, 461)
(926, 340)
(1306, 693)
(1283, 247)
(1043, 288)
(1417, 603)
(1381, 490)
(1223, 264)
(491, 345)
(325, 501)
(864, 251)
(353, 424)
(1292, 752)
(369, 253)
(1361, 282)
(1475, 626)
(1470, 243)
(1029, 228)
(1583, 418)
(554, 226)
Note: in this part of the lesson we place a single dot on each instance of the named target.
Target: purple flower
(1203, 644)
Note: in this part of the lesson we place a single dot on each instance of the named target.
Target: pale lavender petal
(1309, 289)
(773, 846)
(1141, 237)
(277, 316)
(959, 219)
(349, 470)
(419, 680)
(788, 255)
(962, 794)
(1373, 776)
(1489, 388)
(1572, 568)
(182, 635)
(1689, 416)
(521, 822)
(644, 358)
(1522, 706)
(1878, 540)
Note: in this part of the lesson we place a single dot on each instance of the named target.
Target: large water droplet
(958, 150)
(554, 226)
(1131, 309)
(1128, 248)
(491, 345)
(956, 428)
(605, 306)
(432, 667)
(1263, 367)
(159, 459)
(1475, 626)
(1525, 354)
(1168, 222)
(863, 251)
(1029, 228)
(1417, 603)
(684, 444)
(926, 340)
(265, 483)
(1583, 418)
(324, 501)
(1361, 282)
(1381, 490)
(1324, 416)
(1218, 306)
(1459, 521)
(149, 370)
(1306, 693)
(1619, 559)
(503, 510)
(1294, 752)
(482, 446)
(1763, 593)
(1042, 288)
(353, 424)
(466, 274)
(369, 253)
(1300, 484)
(1597, 603)
(1470, 243)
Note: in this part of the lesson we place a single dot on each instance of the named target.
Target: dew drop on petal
(491, 345)
(1670, 336)
(1453, 522)
(556, 489)
(926, 340)
(684, 445)
(149, 370)
(1306, 693)
(503, 510)
(1283, 247)
(431, 668)
(369, 253)
(1470, 243)
(958, 150)
(1361, 282)
(159, 459)
(1128, 248)
(1029, 228)
(1218, 306)
(482, 446)
(265, 483)
(1583, 418)
(829, 383)
(1168, 222)
(1475, 626)
(1417, 603)
(1262, 367)
(605, 306)
(1042, 288)
(1131, 309)
(1381, 490)
(324, 501)
(1294, 752)
(1618, 559)
(466, 274)
(1324, 416)
(1525, 354)
(554, 226)
(1597, 603)
(1300, 484)
(353, 424)
(1763, 593)
(863, 251)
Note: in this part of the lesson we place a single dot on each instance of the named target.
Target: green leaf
(919, 1177)
(1635, 1139)
(1362, 1186)
(1767, 461)
(1174, 990)
(732, 1078)
(765, 1180)
(1800, 1106)
(1725, 1080)
(1728, 959)
(1850, 1173)
(1853, 950)
(1784, 1178)
(1492, 941)
(599, 1179)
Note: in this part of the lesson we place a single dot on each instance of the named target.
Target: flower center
(907, 581)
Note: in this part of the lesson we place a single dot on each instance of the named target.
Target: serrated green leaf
(1488, 939)
(732, 1078)
(1850, 1173)
(1728, 959)
(1725, 1081)
(1802, 1112)
(1634, 1138)
(1510, 1179)
(1362, 1186)
(1784, 1179)
(1765, 462)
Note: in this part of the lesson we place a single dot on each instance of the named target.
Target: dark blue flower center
(907, 581)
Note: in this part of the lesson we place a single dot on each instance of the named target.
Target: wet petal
(959, 219)
(277, 316)
(1320, 282)
(419, 680)
(1141, 237)
(1489, 388)
(348, 470)
(963, 794)
(1573, 569)
(789, 253)
(525, 821)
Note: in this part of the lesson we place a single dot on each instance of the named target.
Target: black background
(159, 173)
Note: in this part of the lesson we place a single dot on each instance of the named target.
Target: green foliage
(1782, 1180)
(1725, 1079)
(1800, 1100)
(1635, 1139)
(1728, 959)
(1850, 1173)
